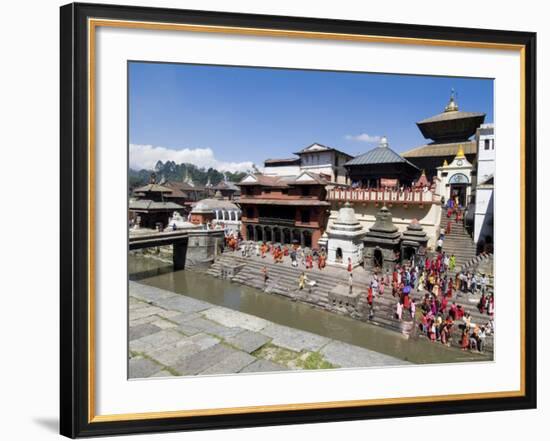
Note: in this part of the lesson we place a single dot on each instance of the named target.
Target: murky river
(280, 310)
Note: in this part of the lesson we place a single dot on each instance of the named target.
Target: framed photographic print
(275, 220)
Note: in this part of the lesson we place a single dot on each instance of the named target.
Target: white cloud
(364, 137)
(146, 156)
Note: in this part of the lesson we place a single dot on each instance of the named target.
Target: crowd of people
(425, 289)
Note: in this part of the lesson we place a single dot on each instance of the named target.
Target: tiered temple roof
(383, 232)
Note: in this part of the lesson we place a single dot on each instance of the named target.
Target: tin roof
(379, 155)
(146, 204)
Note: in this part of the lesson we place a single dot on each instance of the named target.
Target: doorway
(458, 194)
(378, 258)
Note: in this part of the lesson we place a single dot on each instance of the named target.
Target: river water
(153, 272)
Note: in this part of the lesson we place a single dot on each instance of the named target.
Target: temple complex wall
(428, 217)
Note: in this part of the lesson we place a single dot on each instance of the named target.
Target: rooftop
(304, 178)
(146, 204)
(316, 147)
(211, 204)
(452, 124)
(441, 149)
(382, 154)
(149, 188)
(282, 161)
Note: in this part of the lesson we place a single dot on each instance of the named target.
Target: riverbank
(171, 335)
(278, 309)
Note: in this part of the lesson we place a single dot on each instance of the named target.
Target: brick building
(284, 209)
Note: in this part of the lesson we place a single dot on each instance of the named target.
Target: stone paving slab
(144, 293)
(248, 341)
(176, 352)
(213, 328)
(141, 321)
(164, 324)
(183, 304)
(196, 363)
(347, 355)
(294, 339)
(184, 317)
(162, 373)
(145, 312)
(235, 319)
(261, 365)
(142, 367)
(142, 330)
(230, 364)
(191, 337)
(155, 341)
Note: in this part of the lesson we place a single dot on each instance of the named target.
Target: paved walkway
(172, 335)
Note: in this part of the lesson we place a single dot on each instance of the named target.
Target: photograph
(287, 220)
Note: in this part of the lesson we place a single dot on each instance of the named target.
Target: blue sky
(230, 117)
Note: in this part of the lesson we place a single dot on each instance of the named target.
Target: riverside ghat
(369, 246)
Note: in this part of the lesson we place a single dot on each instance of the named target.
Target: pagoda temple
(446, 130)
(379, 165)
(149, 206)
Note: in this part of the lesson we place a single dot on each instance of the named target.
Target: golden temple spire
(445, 163)
(460, 153)
(452, 106)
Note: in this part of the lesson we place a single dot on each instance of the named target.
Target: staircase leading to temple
(458, 241)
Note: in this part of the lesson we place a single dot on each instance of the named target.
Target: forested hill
(170, 171)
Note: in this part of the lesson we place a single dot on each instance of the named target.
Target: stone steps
(283, 281)
(287, 285)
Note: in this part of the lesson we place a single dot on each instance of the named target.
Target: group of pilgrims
(424, 289)
(298, 255)
(435, 286)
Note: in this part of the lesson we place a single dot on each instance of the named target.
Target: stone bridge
(178, 240)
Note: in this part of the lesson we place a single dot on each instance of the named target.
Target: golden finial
(445, 163)
(423, 172)
(460, 153)
(452, 106)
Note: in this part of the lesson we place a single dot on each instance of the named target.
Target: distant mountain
(170, 171)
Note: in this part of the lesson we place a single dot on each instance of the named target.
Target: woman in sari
(452, 262)
(464, 340)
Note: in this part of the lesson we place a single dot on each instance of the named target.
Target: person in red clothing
(443, 306)
(350, 266)
(453, 311)
(465, 340)
(369, 296)
(309, 261)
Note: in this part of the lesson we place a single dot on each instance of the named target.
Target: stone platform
(173, 335)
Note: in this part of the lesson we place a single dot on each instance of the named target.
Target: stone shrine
(414, 241)
(382, 242)
(345, 238)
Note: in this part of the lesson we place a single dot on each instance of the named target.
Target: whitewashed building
(324, 160)
(456, 179)
(345, 238)
(484, 190)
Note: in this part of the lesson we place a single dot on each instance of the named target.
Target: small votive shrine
(414, 241)
(382, 242)
(345, 238)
